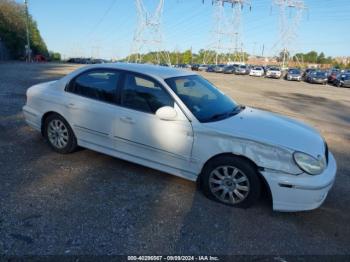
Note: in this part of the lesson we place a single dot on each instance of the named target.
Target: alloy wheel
(57, 134)
(229, 184)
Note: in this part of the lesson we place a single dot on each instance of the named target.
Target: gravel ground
(92, 204)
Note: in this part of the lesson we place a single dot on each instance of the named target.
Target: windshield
(320, 74)
(294, 71)
(204, 100)
(274, 69)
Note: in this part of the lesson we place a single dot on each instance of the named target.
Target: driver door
(141, 133)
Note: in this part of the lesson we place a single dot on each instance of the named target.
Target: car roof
(147, 69)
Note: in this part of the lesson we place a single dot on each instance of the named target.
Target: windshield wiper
(235, 111)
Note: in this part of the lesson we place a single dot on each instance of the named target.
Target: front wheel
(232, 181)
(59, 134)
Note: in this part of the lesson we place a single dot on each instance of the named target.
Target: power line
(105, 14)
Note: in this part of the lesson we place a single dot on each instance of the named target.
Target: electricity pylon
(288, 26)
(148, 34)
(227, 33)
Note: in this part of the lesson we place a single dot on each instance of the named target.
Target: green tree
(13, 29)
(54, 56)
(187, 57)
(321, 58)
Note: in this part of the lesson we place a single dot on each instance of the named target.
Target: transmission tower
(227, 33)
(148, 35)
(290, 16)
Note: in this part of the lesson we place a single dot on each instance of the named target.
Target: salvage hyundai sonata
(178, 122)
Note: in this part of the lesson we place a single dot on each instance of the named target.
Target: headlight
(309, 164)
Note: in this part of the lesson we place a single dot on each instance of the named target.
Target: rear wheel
(59, 134)
(231, 181)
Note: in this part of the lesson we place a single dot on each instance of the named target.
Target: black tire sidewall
(243, 165)
(72, 142)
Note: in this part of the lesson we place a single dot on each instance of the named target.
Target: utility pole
(28, 50)
(263, 50)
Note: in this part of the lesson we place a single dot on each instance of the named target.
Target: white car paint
(182, 145)
(273, 73)
(257, 71)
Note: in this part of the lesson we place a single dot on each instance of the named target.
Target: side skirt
(137, 160)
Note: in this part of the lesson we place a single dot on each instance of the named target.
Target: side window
(98, 84)
(143, 94)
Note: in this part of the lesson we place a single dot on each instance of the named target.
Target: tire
(241, 176)
(59, 135)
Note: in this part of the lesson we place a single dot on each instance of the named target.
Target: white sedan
(178, 122)
(257, 71)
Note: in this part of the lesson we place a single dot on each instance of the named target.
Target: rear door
(92, 106)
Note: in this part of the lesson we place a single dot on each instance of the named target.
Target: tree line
(209, 57)
(13, 31)
(188, 57)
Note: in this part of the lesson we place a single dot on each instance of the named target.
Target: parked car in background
(195, 67)
(177, 122)
(219, 68)
(332, 76)
(317, 77)
(274, 72)
(229, 69)
(39, 58)
(307, 72)
(293, 74)
(211, 68)
(202, 67)
(257, 71)
(242, 70)
(343, 80)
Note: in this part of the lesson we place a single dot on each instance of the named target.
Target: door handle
(127, 119)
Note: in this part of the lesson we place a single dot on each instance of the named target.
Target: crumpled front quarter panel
(209, 143)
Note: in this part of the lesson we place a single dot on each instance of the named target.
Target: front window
(205, 101)
(144, 94)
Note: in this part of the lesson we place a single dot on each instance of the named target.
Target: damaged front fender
(209, 144)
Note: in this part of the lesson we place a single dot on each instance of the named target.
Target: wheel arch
(264, 184)
(45, 116)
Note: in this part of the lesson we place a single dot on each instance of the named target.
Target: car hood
(294, 75)
(272, 129)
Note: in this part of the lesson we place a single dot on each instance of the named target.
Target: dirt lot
(89, 203)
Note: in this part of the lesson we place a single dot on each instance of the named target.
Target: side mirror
(166, 113)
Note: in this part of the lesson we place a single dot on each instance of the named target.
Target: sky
(105, 28)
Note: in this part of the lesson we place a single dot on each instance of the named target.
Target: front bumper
(300, 192)
(318, 81)
(273, 76)
(294, 78)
